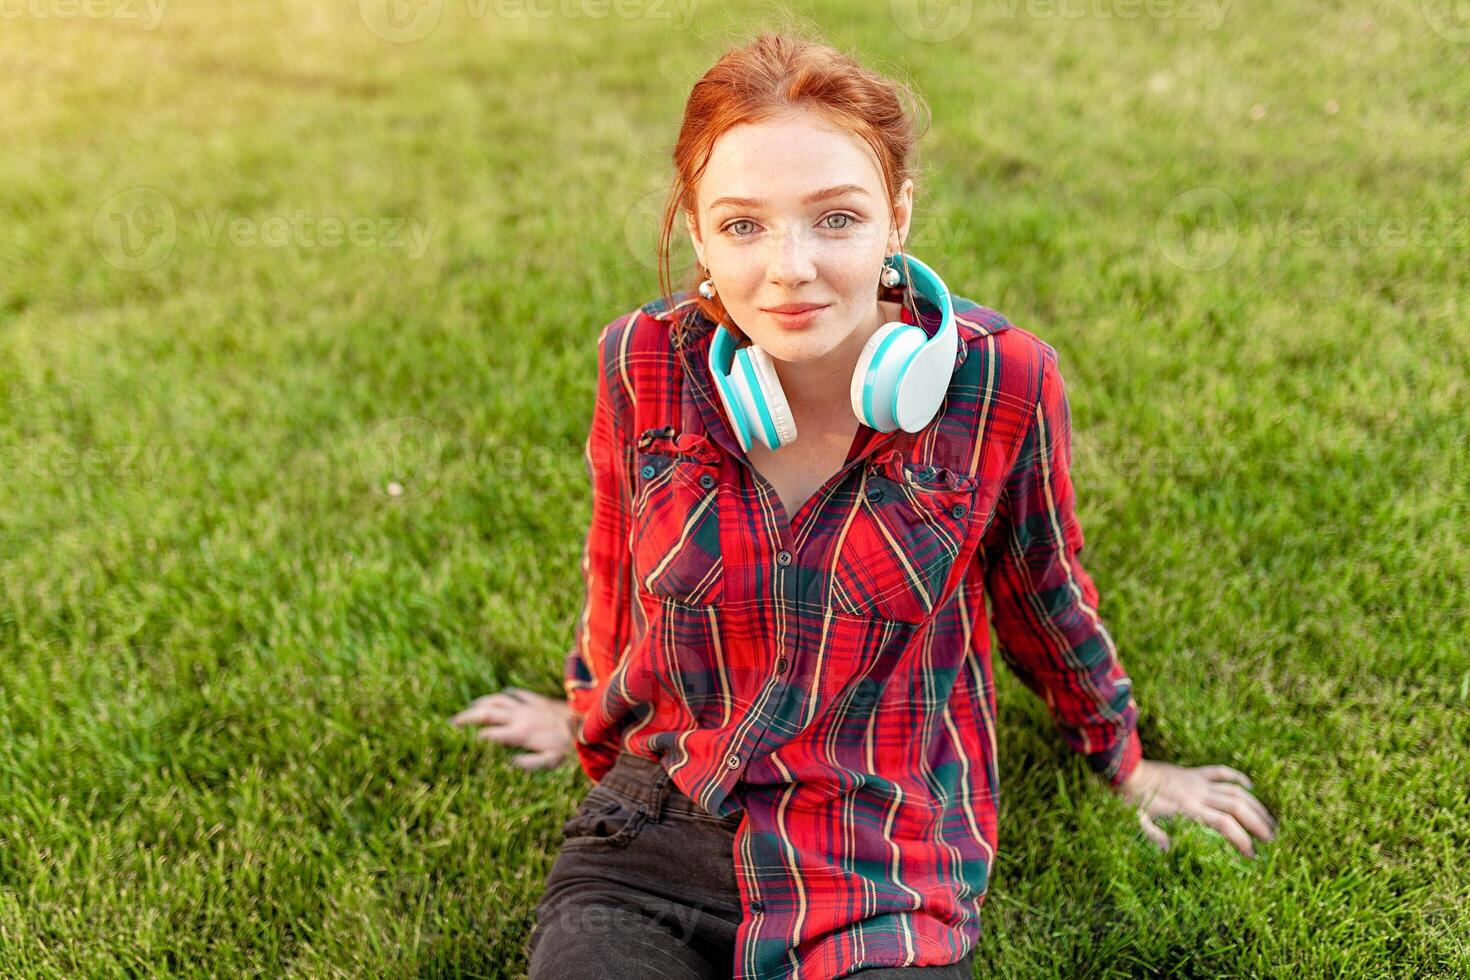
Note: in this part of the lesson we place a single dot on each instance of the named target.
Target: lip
(802, 316)
(794, 307)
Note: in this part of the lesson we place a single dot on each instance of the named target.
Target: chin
(797, 347)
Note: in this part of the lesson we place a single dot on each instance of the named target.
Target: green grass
(228, 654)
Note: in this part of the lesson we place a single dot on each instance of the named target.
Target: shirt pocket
(911, 524)
(676, 517)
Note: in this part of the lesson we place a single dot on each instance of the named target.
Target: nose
(790, 262)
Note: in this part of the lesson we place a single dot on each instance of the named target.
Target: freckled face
(782, 240)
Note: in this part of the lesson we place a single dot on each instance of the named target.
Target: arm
(604, 626)
(1044, 607)
(1044, 604)
(552, 728)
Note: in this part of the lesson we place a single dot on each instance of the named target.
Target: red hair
(771, 75)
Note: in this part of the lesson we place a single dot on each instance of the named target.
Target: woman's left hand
(1216, 796)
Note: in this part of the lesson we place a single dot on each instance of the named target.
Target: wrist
(1132, 779)
(1130, 762)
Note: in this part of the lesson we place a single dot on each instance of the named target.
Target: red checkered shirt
(829, 672)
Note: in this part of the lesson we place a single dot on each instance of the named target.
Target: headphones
(900, 378)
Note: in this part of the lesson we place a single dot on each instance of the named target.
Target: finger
(1234, 791)
(546, 759)
(504, 734)
(468, 712)
(478, 714)
(473, 715)
(1152, 832)
(1225, 772)
(1243, 813)
(1228, 827)
(1255, 805)
(492, 707)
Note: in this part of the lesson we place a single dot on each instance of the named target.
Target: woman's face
(778, 243)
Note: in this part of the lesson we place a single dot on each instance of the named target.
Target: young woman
(781, 682)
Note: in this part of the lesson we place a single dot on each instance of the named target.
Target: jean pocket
(676, 518)
(604, 819)
(895, 557)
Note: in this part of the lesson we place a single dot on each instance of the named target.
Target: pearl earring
(707, 289)
(890, 276)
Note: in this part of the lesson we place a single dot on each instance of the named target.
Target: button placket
(787, 589)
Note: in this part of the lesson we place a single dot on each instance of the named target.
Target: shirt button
(958, 510)
(874, 493)
(706, 481)
(648, 472)
(757, 906)
(732, 760)
(781, 665)
(783, 558)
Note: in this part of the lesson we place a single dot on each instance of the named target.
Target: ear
(903, 206)
(698, 242)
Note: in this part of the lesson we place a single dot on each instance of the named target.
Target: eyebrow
(746, 202)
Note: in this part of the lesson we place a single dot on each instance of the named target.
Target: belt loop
(658, 794)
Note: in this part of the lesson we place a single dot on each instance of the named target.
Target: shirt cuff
(1117, 763)
(596, 759)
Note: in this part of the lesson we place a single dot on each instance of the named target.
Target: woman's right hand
(526, 720)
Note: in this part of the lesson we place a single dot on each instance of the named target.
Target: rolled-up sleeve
(1044, 605)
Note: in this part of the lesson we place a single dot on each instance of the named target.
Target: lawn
(298, 310)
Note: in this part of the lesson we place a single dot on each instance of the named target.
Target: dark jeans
(644, 887)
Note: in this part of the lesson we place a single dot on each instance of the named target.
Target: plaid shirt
(829, 672)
